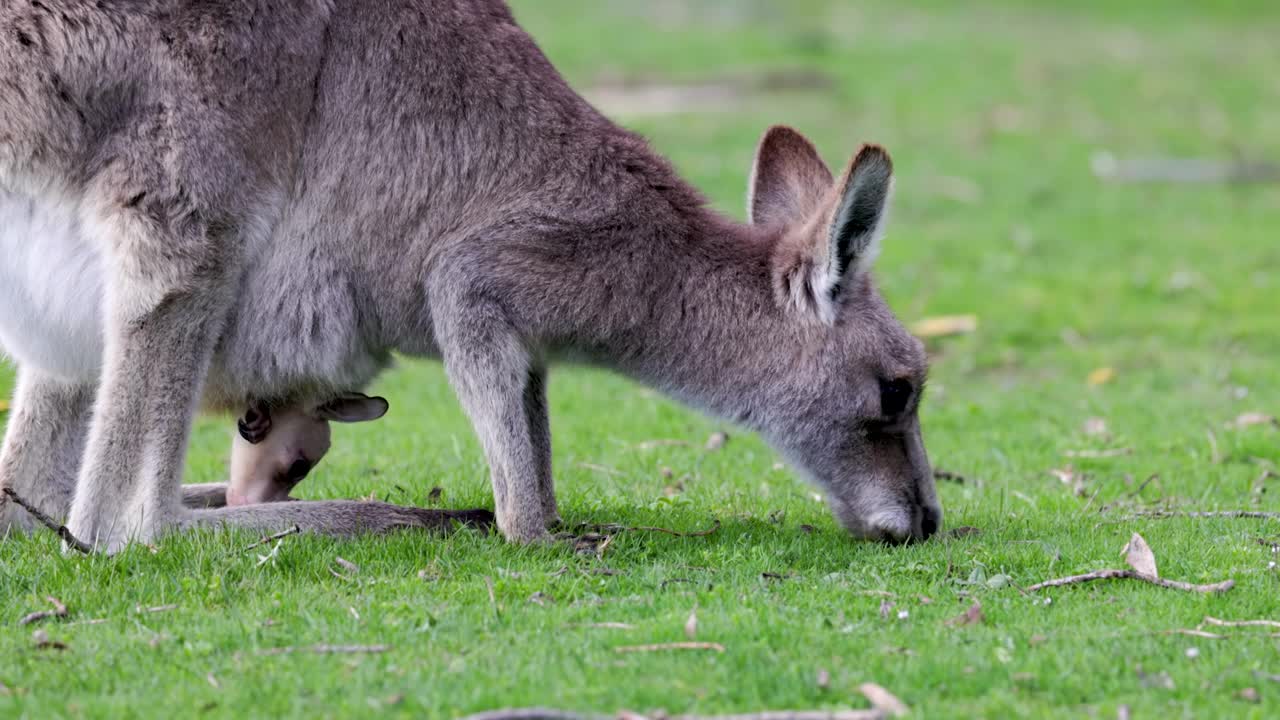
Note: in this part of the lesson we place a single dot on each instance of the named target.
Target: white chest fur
(51, 292)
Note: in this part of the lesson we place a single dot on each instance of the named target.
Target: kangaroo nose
(930, 521)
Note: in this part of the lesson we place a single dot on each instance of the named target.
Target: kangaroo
(207, 202)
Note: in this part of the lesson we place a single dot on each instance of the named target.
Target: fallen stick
(59, 611)
(327, 649)
(1115, 574)
(1107, 453)
(670, 646)
(272, 538)
(58, 528)
(1240, 623)
(625, 528)
(552, 714)
(1197, 514)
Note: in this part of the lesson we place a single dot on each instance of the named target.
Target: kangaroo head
(847, 414)
(266, 465)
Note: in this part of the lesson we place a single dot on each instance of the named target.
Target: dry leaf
(1095, 426)
(823, 679)
(4, 406)
(972, 616)
(347, 565)
(1249, 695)
(1139, 556)
(1101, 376)
(883, 700)
(1070, 478)
(716, 441)
(691, 625)
(1250, 419)
(945, 325)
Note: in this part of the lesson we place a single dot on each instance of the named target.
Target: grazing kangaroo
(216, 201)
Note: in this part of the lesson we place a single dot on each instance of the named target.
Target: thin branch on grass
(659, 647)
(59, 611)
(948, 476)
(651, 444)
(1117, 574)
(272, 538)
(1095, 454)
(1208, 620)
(632, 528)
(1183, 170)
(1162, 514)
(58, 528)
(553, 714)
(328, 650)
(156, 609)
(604, 626)
(601, 469)
(1194, 632)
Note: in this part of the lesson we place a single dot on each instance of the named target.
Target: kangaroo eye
(894, 396)
(298, 469)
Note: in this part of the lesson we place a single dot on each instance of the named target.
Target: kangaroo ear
(857, 223)
(788, 179)
(841, 240)
(352, 408)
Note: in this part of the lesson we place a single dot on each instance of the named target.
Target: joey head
(274, 449)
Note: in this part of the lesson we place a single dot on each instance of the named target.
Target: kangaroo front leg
(166, 298)
(490, 370)
(42, 446)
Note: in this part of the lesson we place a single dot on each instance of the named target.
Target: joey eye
(298, 469)
(894, 396)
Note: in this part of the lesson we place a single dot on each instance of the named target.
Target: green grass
(992, 113)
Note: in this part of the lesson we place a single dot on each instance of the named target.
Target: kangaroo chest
(51, 287)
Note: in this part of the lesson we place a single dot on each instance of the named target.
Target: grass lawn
(993, 114)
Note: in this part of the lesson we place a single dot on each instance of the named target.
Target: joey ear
(788, 179)
(352, 408)
(842, 241)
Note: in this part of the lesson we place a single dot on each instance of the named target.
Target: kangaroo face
(274, 450)
(849, 419)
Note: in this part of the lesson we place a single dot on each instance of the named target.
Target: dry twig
(327, 649)
(1115, 574)
(1107, 453)
(629, 528)
(59, 611)
(659, 647)
(271, 538)
(1208, 620)
(58, 528)
(553, 714)
(1162, 514)
(884, 700)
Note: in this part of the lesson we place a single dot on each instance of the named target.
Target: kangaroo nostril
(929, 522)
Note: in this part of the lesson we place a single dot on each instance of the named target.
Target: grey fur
(279, 195)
